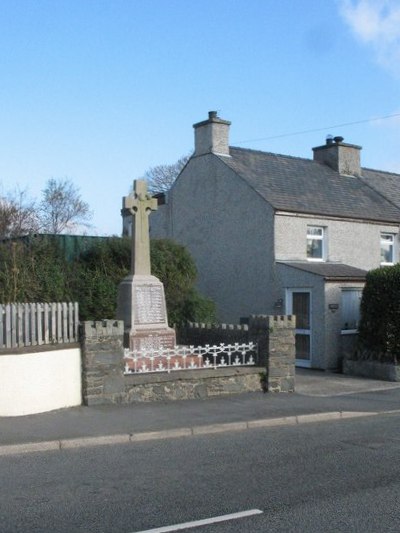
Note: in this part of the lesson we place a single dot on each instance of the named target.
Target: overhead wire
(302, 132)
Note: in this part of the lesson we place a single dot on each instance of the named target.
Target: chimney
(340, 156)
(212, 136)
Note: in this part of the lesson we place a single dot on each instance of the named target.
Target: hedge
(379, 330)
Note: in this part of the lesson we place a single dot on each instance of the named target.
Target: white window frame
(321, 238)
(349, 290)
(391, 244)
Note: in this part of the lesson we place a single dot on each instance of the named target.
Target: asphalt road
(336, 476)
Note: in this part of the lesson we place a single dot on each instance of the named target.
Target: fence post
(13, 325)
(8, 326)
(20, 331)
(27, 338)
(59, 323)
(33, 324)
(1, 326)
(39, 322)
(76, 321)
(46, 322)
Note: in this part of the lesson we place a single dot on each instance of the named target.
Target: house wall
(228, 229)
(159, 221)
(349, 242)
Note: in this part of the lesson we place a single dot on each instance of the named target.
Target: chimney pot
(212, 114)
(338, 139)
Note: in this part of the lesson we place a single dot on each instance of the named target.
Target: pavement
(320, 396)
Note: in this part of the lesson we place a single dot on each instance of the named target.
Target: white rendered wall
(40, 382)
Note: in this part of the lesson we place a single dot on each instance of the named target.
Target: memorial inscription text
(149, 308)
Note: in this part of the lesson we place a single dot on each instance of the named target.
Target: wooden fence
(32, 324)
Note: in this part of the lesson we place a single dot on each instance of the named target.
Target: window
(315, 243)
(387, 249)
(351, 300)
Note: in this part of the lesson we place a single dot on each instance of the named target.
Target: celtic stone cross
(140, 205)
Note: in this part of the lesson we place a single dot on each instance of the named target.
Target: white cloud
(377, 24)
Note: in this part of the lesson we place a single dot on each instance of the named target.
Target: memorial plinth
(141, 298)
(141, 304)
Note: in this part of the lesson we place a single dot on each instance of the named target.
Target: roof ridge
(271, 153)
(389, 200)
(308, 159)
(381, 171)
(298, 184)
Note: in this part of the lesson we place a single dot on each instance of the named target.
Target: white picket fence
(32, 324)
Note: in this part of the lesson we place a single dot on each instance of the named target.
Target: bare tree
(18, 214)
(61, 209)
(162, 177)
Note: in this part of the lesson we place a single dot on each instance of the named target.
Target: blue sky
(99, 91)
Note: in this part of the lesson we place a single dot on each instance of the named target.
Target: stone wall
(371, 369)
(281, 353)
(103, 379)
(192, 384)
(365, 362)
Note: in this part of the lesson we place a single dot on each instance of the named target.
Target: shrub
(174, 266)
(32, 271)
(97, 273)
(38, 269)
(379, 331)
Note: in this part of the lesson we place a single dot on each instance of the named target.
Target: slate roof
(305, 186)
(385, 183)
(329, 271)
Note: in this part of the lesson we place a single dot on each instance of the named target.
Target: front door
(299, 304)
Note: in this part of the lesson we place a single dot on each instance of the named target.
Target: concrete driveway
(326, 384)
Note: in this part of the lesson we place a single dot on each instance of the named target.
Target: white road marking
(205, 522)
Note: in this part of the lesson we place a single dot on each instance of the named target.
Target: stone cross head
(140, 204)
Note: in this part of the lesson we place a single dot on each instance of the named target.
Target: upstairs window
(387, 249)
(315, 243)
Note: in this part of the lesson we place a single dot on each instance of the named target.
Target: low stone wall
(371, 369)
(363, 361)
(348, 346)
(104, 381)
(192, 384)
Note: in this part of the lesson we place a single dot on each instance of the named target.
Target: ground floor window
(351, 300)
